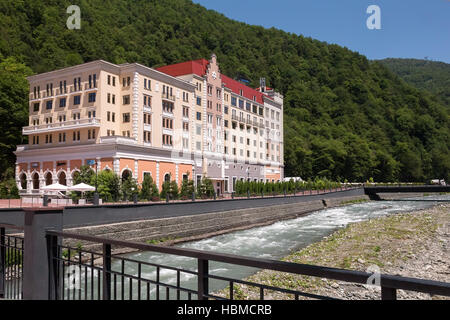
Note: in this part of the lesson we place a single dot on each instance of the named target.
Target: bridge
(373, 192)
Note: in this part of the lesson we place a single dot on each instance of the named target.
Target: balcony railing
(64, 125)
(168, 96)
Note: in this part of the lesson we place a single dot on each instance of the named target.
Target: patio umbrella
(81, 187)
(55, 187)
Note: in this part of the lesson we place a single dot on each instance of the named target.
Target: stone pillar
(35, 263)
(157, 174)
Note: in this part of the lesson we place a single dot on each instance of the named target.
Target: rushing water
(272, 242)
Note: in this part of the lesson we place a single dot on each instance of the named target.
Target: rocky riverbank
(415, 244)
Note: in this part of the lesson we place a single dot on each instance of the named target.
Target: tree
(149, 190)
(129, 188)
(109, 187)
(205, 189)
(187, 188)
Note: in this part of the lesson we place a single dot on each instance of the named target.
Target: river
(271, 242)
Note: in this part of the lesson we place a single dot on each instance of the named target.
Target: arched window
(126, 174)
(62, 178)
(23, 181)
(48, 178)
(167, 177)
(35, 179)
(75, 176)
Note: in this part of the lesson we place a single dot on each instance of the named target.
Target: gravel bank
(415, 244)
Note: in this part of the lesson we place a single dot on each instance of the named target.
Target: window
(198, 146)
(185, 143)
(199, 116)
(147, 101)
(186, 126)
(233, 101)
(186, 112)
(76, 116)
(49, 104)
(167, 123)
(167, 140)
(225, 123)
(199, 101)
(248, 106)
(126, 117)
(147, 84)
(108, 116)
(114, 81)
(147, 137)
(62, 102)
(91, 114)
(147, 118)
(113, 98)
(225, 109)
(36, 107)
(241, 104)
(91, 134)
(167, 106)
(91, 97)
(62, 118)
(76, 100)
(108, 98)
(198, 130)
(126, 99)
(76, 136)
(62, 137)
(185, 96)
(109, 79)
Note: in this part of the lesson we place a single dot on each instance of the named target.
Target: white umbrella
(55, 187)
(81, 187)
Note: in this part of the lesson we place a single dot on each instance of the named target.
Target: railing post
(53, 254)
(388, 293)
(106, 271)
(35, 261)
(203, 281)
(2, 262)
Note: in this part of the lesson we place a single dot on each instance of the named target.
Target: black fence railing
(76, 273)
(11, 264)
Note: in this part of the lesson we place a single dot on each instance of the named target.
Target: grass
(160, 240)
(354, 201)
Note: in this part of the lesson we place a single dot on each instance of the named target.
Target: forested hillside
(345, 116)
(433, 76)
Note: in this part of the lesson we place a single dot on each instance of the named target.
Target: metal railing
(11, 264)
(101, 281)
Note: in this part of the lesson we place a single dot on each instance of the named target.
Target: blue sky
(409, 28)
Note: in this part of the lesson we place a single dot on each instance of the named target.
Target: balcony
(236, 118)
(117, 140)
(60, 126)
(167, 96)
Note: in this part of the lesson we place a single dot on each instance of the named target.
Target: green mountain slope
(345, 116)
(433, 76)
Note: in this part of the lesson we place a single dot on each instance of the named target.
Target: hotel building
(176, 122)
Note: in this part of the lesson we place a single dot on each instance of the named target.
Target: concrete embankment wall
(198, 226)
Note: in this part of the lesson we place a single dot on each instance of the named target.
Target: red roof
(247, 92)
(199, 67)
